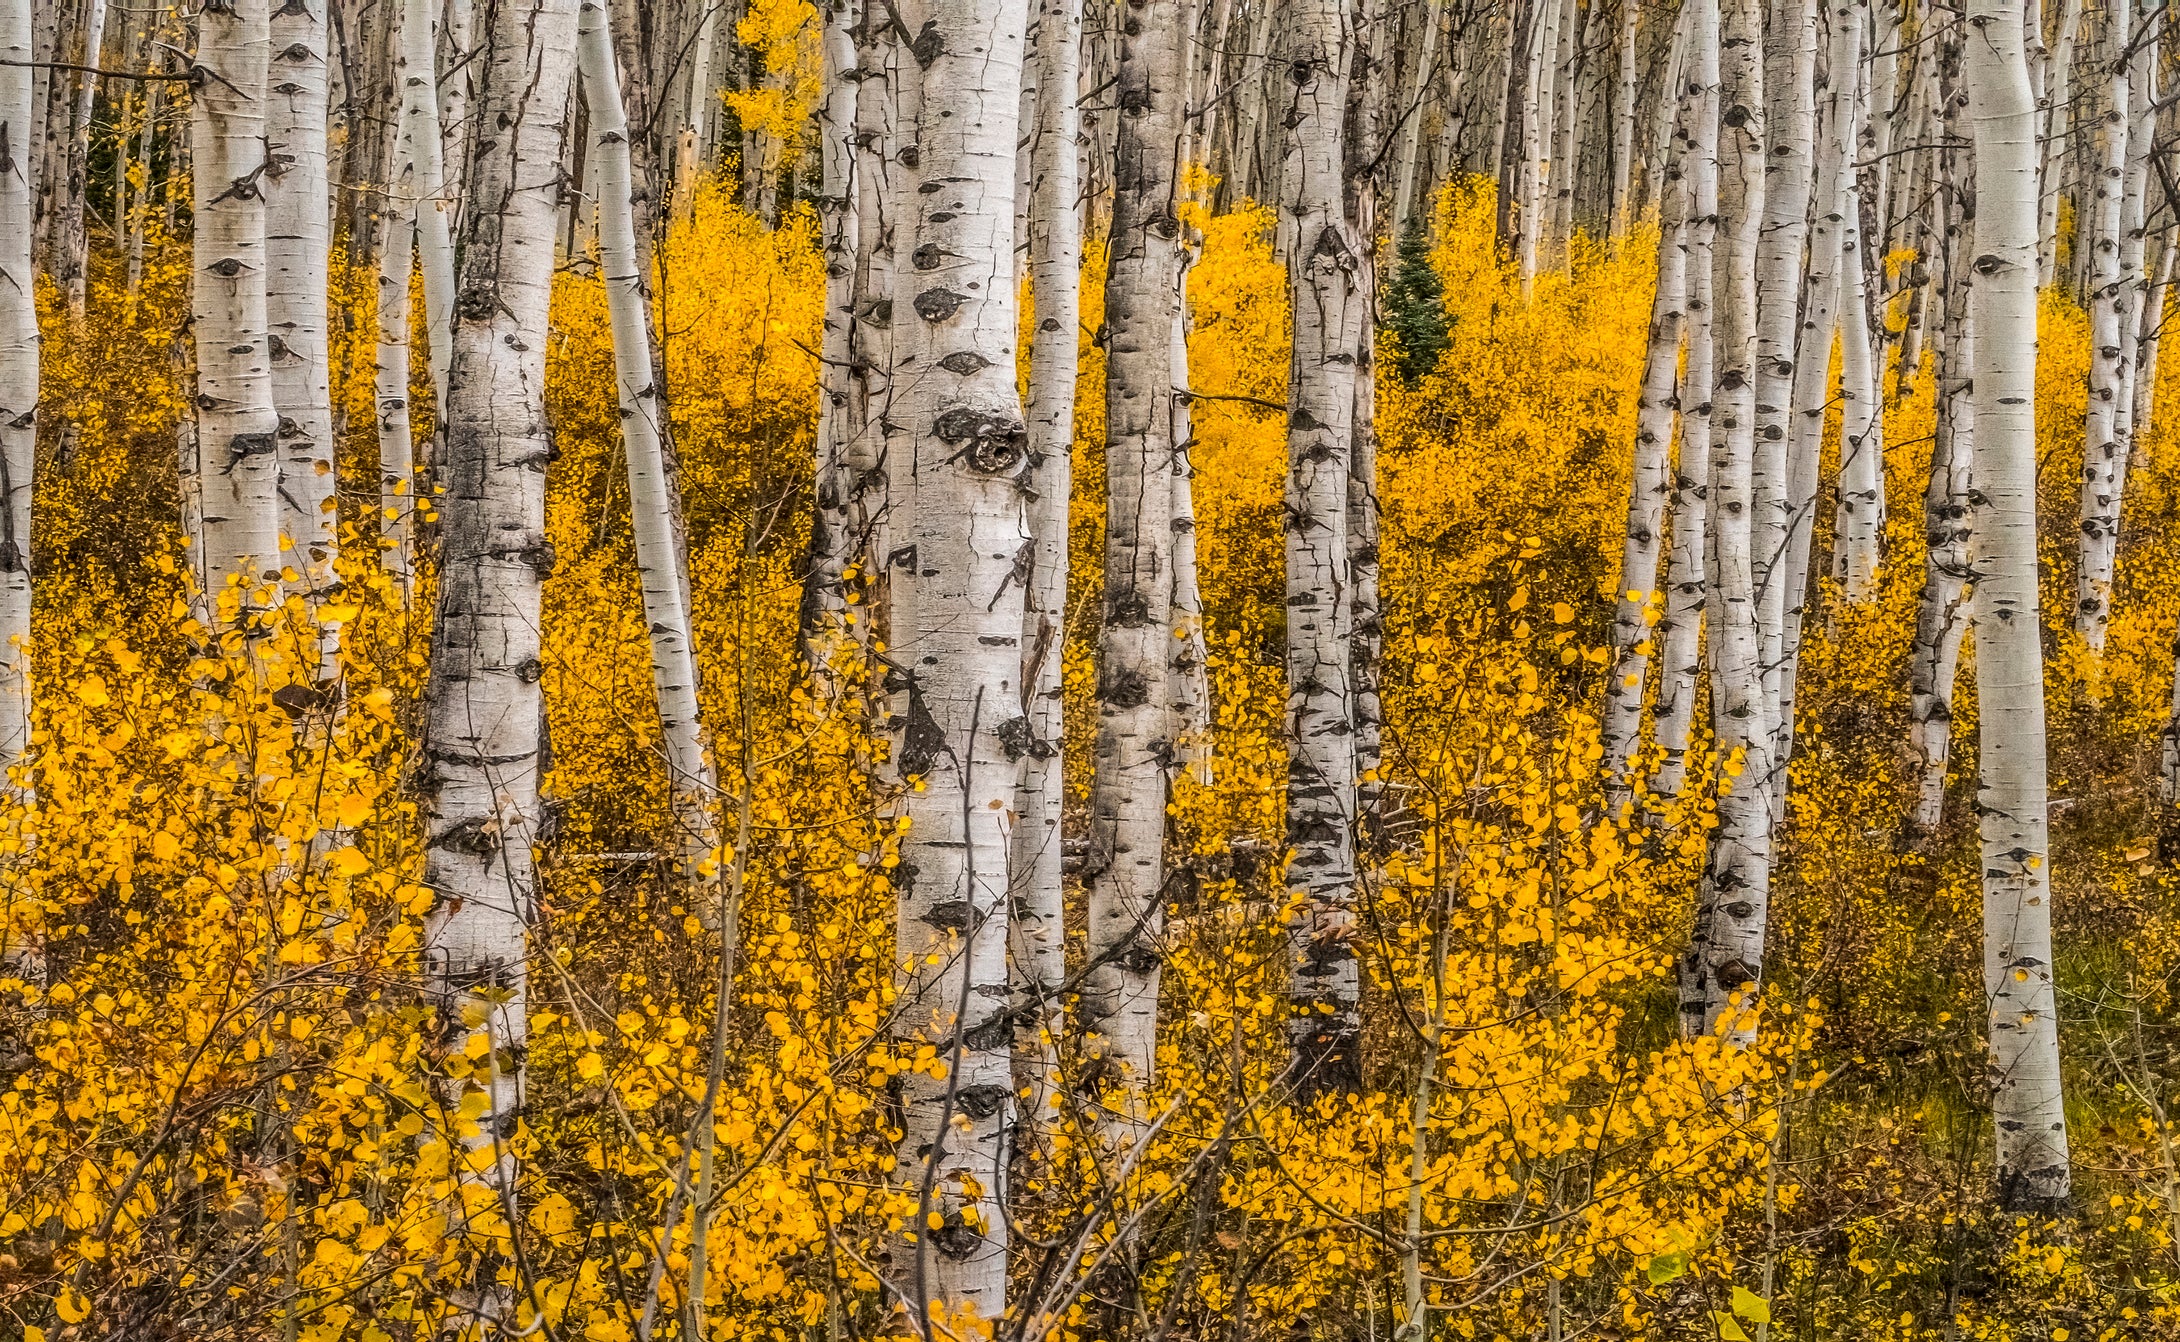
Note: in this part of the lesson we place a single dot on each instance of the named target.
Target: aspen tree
(1790, 119)
(1640, 598)
(1725, 956)
(1411, 131)
(1136, 735)
(1037, 922)
(1623, 126)
(1680, 634)
(1536, 135)
(480, 789)
(1834, 232)
(1861, 521)
(396, 260)
(875, 178)
(2054, 124)
(2133, 275)
(74, 239)
(1365, 632)
(2012, 799)
(653, 507)
(298, 237)
(436, 195)
(956, 655)
(19, 356)
(237, 464)
(2153, 327)
(839, 417)
(2110, 300)
(1321, 265)
(1188, 673)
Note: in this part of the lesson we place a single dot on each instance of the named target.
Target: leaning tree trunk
(480, 792)
(1321, 256)
(298, 238)
(956, 654)
(2109, 301)
(237, 461)
(1726, 952)
(1038, 927)
(2028, 1108)
(1638, 609)
(1136, 729)
(1680, 634)
(653, 507)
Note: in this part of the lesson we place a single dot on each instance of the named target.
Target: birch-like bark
(1037, 920)
(1639, 606)
(1321, 265)
(840, 423)
(2153, 329)
(1834, 231)
(1941, 617)
(653, 507)
(1563, 145)
(396, 446)
(1364, 133)
(1883, 112)
(298, 238)
(2028, 1108)
(1675, 77)
(1411, 131)
(2055, 123)
(1680, 634)
(73, 242)
(2103, 449)
(1624, 118)
(19, 354)
(2133, 276)
(1790, 117)
(484, 707)
(1536, 135)
(1136, 727)
(1188, 674)
(1860, 524)
(237, 423)
(957, 647)
(437, 197)
(451, 44)
(1726, 950)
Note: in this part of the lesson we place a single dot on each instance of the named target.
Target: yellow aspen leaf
(71, 1306)
(355, 809)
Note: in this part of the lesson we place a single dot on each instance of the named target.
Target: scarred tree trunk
(2110, 302)
(840, 411)
(298, 237)
(238, 464)
(1321, 264)
(653, 507)
(480, 792)
(396, 451)
(956, 654)
(1680, 635)
(1861, 521)
(1726, 952)
(1038, 922)
(2013, 803)
(18, 404)
(437, 195)
(1136, 727)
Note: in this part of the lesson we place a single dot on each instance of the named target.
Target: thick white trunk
(1680, 635)
(1136, 735)
(1624, 118)
(1726, 950)
(1038, 925)
(1321, 262)
(1791, 117)
(651, 501)
(480, 787)
(1861, 518)
(437, 196)
(74, 240)
(1536, 135)
(956, 653)
(2110, 303)
(840, 409)
(396, 453)
(298, 238)
(1188, 675)
(237, 424)
(2012, 802)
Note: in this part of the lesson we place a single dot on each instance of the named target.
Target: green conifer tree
(1415, 308)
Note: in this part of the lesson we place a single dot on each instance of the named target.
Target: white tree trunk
(480, 789)
(1726, 951)
(1536, 136)
(438, 197)
(396, 449)
(1680, 634)
(1411, 134)
(1623, 126)
(2153, 329)
(957, 647)
(1640, 598)
(1188, 674)
(840, 411)
(1038, 922)
(1563, 148)
(18, 403)
(2055, 123)
(1136, 727)
(74, 238)
(236, 420)
(298, 238)
(653, 508)
(1833, 230)
(1861, 518)
(1791, 117)
(2012, 802)
(1321, 264)
(2110, 302)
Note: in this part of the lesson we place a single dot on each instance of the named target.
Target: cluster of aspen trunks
(1786, 149)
